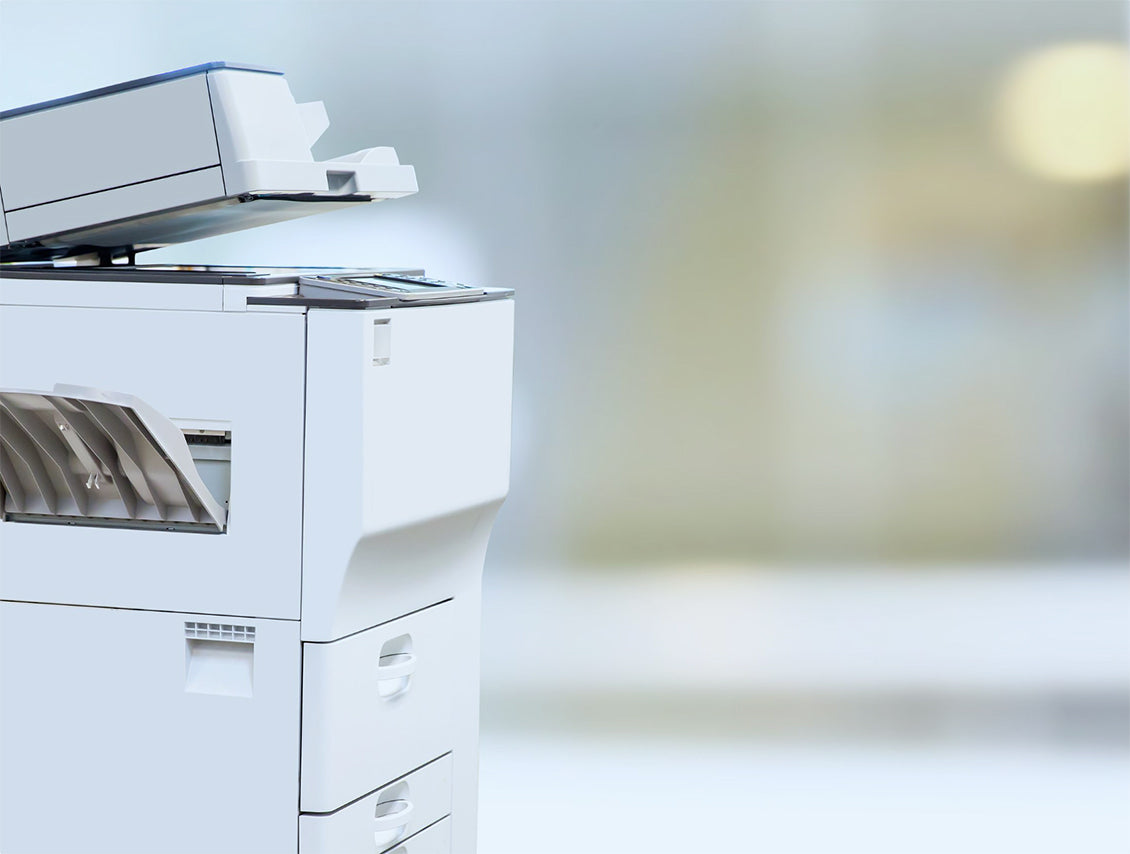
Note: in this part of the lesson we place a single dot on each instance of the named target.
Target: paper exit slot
(82, 456)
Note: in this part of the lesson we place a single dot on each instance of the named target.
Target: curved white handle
(394, 674)
(396, 666)
(389, 828)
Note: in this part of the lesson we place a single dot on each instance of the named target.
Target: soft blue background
(820, 515)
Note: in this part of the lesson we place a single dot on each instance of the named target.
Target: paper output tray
(82, 456)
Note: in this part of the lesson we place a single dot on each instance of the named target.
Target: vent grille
(219, 631)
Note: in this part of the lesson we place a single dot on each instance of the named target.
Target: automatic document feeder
(243, 511)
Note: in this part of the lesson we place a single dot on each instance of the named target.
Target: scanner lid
(170, 158)
(135, 84)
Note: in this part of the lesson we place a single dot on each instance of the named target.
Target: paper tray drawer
(379, 821)
(376, 704)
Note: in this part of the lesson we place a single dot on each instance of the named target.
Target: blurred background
(819, 530)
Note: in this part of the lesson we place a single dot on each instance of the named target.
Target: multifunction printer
(244, 511)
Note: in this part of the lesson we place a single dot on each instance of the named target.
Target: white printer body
(245, 513)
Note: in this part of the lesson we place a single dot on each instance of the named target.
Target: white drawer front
(380, 820)
(435, 840)
(375, 705)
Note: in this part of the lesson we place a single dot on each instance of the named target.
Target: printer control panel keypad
(402, 288)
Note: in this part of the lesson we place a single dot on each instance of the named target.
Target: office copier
(244, 511)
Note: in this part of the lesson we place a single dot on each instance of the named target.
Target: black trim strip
(119, 187)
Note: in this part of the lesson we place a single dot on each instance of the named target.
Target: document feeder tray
(179, 156)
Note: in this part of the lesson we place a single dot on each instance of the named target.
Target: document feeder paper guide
(243, 511)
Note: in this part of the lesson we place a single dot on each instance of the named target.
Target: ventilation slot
(219, 631)
(219, 659)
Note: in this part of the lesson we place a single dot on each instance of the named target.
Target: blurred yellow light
(1064, 112)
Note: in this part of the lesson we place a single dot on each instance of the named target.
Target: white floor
(572, 795)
